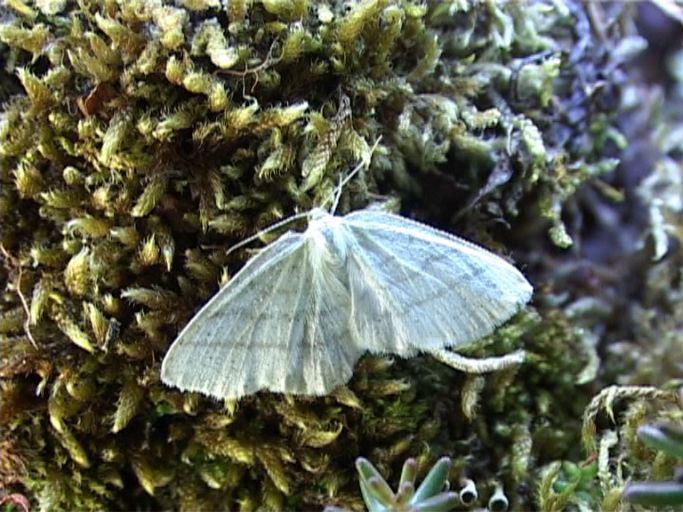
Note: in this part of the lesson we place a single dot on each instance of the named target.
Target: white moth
(301, 312)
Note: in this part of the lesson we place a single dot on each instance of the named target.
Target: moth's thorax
(326, 235)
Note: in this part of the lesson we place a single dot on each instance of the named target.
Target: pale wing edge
(521, 291)
(371, 219)
(269, 256)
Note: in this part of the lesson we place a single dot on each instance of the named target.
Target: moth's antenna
(337, 195)
(365, 162)
(270, 228)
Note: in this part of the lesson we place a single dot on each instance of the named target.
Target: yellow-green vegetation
(140, 139)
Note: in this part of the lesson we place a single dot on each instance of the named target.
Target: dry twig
(11, 261)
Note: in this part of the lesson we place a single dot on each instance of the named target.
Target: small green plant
(429, 496)
(14, 503)
(669, 439)
(580, 480)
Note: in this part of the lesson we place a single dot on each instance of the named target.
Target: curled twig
(268, 61)
(11, 261)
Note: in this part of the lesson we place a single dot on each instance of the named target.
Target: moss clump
(138, 140)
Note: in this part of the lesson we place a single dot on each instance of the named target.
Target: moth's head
(319, 220)
(317, 214)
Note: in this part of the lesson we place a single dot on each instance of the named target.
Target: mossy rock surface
(139, 140)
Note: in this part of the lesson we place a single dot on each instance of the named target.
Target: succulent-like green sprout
(430, 495)
(669, 439)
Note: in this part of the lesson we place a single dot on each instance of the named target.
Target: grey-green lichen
(644, 349)
(140, 139)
